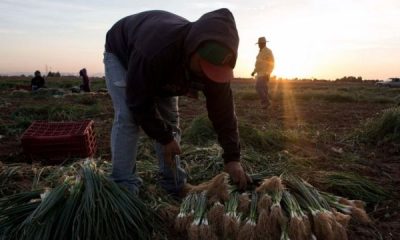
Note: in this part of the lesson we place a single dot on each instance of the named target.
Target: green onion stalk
(355, 207)
(299, 226)
(87, 206)
(107, 211)
(231, 217)
(324, 222)
(244, 203)
(42, 222)
(318, 196)
(342, 212)
(247, 231)
(266, 186)
(66, 218)
(285, 233)
(216, 192)
(14, 209)
(340, 221)
(274, 187)
(6, 175)
(264, 209)
(186, 212)
(334, 202)
(200, 229)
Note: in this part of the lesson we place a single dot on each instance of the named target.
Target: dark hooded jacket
(155, 48)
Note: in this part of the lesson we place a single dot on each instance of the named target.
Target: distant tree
(53, 74)
(349, 79)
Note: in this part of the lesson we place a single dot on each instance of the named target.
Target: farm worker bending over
(263, 68)
(85, 86)
(151, 58)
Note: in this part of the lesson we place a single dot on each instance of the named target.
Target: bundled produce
(231, 217)
(247, 232)
(277, 221)
(85, 206)
(279, 207)
(186, 213)
(299, 226)
(199, 228)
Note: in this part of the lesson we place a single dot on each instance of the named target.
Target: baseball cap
(215, 61)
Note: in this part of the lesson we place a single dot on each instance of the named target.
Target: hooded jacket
(155, 48)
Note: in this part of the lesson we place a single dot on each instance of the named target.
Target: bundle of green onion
(284, 207)
(85, 206)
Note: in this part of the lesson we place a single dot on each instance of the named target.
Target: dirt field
(319, 120)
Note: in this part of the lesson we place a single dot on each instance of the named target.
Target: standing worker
(151, 58)
(263, 68)
(85, 86)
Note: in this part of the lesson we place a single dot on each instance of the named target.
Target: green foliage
(200, 131)
(262, 141)
(86, 99)
(248, 95)
(7, 175)
(97, 84)
(329, 95)
(265, 164)
(202, 162)
(383, 128)
(24, 116)
(346, 95)
(14, 209)
(354, 186)
(7, 85)
(12, 82)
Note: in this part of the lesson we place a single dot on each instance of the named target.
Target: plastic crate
(59, 139)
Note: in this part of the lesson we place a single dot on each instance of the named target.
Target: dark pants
(262, 90)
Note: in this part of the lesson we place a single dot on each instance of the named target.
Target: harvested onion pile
(87, 205)
(284, 207)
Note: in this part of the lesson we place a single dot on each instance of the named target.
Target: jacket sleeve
(221, 112)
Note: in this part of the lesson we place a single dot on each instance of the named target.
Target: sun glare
(295, 56)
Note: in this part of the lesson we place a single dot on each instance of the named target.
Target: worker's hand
(170, 150)
(252, 74)
(237, 174)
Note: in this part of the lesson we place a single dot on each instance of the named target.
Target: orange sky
(310, 39)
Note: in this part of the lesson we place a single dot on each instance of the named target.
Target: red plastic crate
(58, 139)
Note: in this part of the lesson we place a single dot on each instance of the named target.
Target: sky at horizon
(310, 39)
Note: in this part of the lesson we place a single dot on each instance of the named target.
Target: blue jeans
(262, 89)
(125, 133)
